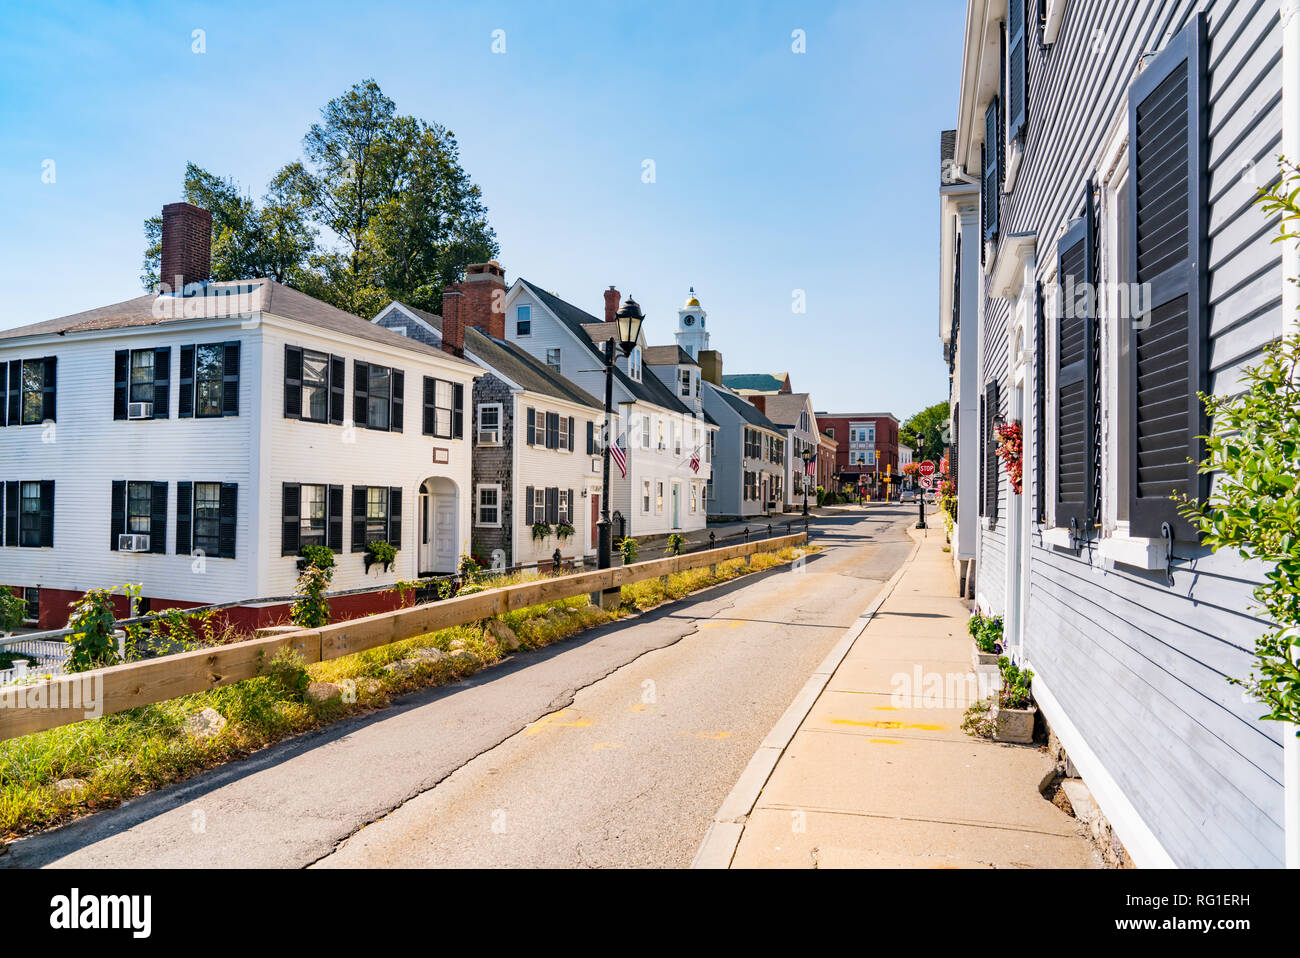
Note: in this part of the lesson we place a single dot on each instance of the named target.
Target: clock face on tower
(688, 321)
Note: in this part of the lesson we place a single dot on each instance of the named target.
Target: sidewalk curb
(724, 833)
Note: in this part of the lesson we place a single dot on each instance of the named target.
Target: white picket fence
(50, 658)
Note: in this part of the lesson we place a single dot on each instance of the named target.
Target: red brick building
(866, 445)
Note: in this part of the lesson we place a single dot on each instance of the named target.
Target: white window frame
(479, 505)
(555, 366)
(500, 411)
(659, 497)
(645, 496)
(523, 313)
(562, 433)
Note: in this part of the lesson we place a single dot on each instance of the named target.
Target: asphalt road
(614, 748)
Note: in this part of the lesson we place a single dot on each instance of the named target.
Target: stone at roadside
(503, 634)
(74, 787)
(430, 654)
(324, 691)
(401, 666)
(206, 724)
(463, 658)
(456, 644)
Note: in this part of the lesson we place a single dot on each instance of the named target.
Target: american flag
(619, 455)
(812, 466)
(695, 459)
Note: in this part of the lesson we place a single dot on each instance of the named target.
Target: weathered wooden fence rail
(72, 698)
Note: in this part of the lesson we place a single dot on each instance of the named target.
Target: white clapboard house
(535, 434)
(194, 442)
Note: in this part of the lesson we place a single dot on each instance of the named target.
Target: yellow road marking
(917, 725)
(553, 721)
(885, 741)
(721, 624)
(603, 745)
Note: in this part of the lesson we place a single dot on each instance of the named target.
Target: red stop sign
(927, 468)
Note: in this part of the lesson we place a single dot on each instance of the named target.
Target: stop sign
(927, 468)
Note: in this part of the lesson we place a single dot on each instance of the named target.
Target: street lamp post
(920, 498)
(808, 456)
(628, 321)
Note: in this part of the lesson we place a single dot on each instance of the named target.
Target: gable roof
(264, 295)
(756, 382)
(746, 410)
(786, 408)
(649, 389)
(668, 356)
(515, 364)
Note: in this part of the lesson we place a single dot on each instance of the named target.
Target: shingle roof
(786, 408)
(668, 356)
(947, 154)
(747, 410)
(649, 389)
(758, 382)
(517, 365)
(265, 295)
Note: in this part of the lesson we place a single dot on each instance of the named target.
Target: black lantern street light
(920, 495)
(628, 331)
(808, 455)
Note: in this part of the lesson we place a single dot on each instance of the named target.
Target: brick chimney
(484, 303)
(611, 305)
(186, 245)
(710, 361)
(453, 330)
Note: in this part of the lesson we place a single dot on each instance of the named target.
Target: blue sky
(774, 171)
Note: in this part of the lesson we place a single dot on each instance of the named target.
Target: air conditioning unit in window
(132, 543)
(489, 437)
(139, 410)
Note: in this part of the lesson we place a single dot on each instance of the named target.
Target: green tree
(926, 430)
(403, 217)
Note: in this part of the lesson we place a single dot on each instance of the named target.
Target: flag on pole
(812, 466)
(619, 455)
(695, 459)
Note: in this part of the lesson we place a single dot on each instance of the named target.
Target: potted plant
(1013, 705)
(541, 530)
(987, 633)
(564, 531)
(380, 552)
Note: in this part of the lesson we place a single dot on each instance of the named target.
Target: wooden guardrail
(73, 698)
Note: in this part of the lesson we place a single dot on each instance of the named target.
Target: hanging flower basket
(1010, 449)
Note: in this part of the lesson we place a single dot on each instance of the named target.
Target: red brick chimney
(484, 304)
(453, 330)
(611, 305)
(186, 245)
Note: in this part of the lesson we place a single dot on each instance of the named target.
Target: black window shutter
(162, 382)
(591, 438)
(11, 514)
(991, 477)
(185, 398)
(117, 513)
(552, 430)
(158, 519)
(15, 391)
(226, 532)
(358, 518)
(292, 382)
(430, 425)
(184, 518)
(992, 169)
(1074, 379)
(290, 518)
(4, 393)
(552, 504)
(121, 376)
(395, 417)
(1040, 407)
(338, 399)
(50, 394)
(230, 382)
(395, 516)
(458, 411)
(47, 513)
(569, 511)
(1017, 68)
(360, 393)
(1168, 226)
(571, 428)
(532, 426)
(334, 535)
(529, 518)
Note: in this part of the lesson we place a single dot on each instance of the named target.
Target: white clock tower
(692, 331)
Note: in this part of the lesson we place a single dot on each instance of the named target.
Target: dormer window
(634, 364)
(685, 377)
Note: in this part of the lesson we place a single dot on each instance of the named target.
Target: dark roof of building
(784, 409)
(649, 389)
(947, 156)
(758, 382)
(515, 364)
(266, 295)
(668, 356)
(747, 410)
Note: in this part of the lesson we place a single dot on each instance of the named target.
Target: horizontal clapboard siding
(1141, 666)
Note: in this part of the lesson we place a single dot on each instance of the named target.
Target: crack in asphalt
(558, 704)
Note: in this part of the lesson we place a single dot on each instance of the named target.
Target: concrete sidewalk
(856, 776)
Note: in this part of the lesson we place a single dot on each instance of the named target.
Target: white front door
(444, 533)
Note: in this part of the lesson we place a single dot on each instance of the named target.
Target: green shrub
(675, 543)
(628, 547)
(322, 557)
(13, 610)
(382, 552)
(311, 609)
(1015, 692)
(92, 623)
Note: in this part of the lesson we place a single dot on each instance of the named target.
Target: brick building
(866, 445)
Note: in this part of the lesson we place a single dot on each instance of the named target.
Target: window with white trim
(489, 424)
(645, 495)
(659, 496)
(488, 503)
(553, 359)
(523, 320)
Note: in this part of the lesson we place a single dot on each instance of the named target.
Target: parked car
(907, 495)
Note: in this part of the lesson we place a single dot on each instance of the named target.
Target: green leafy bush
(986, 631)
(322, 557)
(382, 552)
(13, 610)
(628, 547)
(92, 623)
(1015, 692)
(311, 609)
(675, 543)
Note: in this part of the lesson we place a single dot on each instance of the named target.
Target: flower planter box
(979, 658)
(1014, 725)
